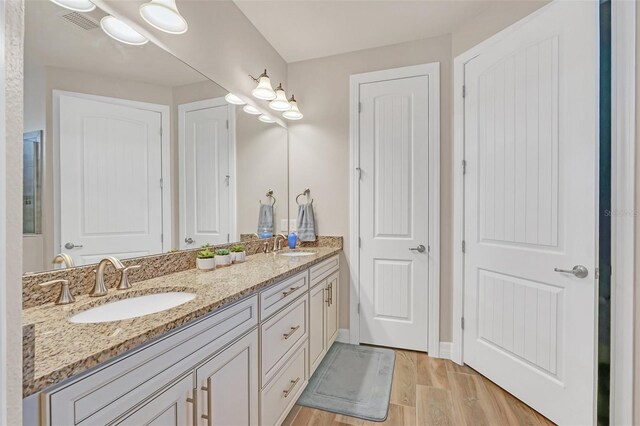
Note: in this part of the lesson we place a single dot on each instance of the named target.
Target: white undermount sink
(132, 307)
(297, 253)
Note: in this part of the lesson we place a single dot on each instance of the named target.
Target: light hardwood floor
(430, 391)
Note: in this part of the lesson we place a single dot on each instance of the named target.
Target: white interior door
(530, 207)
(110, 180)
(205, 173)
(394, 212)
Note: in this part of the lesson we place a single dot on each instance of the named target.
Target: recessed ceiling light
(76, 5)
(250, 109)
(164, 15)
(118, 30)
(264, 90)
(280, 103)
(294, 113)
(234, 99)
(266, 119)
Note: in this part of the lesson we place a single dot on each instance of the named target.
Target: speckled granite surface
(63, 349)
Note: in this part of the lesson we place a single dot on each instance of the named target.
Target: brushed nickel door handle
(578, 271)
(419, 249)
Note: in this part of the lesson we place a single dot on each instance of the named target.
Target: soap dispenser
(293, 239)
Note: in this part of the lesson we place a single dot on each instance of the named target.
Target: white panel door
(205, 174)
(530, 207)
(110, 180)
(394, 212)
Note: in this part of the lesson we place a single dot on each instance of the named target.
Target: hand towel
(265, 219)
(306, 222)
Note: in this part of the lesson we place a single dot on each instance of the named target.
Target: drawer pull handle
(288, 292)
(194, 400)
(206, 389)
(293, 385)
(289, 334)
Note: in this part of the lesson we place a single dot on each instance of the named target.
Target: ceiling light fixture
(280, 103)
(164, 16)
(250, 109)
(263, 90)
(76, 5)
(266, 119)
(119, 30)
(234, 99)
(294, 113)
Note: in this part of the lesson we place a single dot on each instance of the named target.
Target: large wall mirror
(130, 152)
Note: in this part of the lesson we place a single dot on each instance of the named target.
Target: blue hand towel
(306, 222)
(265, 219)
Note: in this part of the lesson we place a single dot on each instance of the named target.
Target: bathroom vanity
(240, 353)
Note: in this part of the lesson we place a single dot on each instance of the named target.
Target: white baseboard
(343, 335)
(446, 349)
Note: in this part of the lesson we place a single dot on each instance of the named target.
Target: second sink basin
(132, 307)
(297, 253)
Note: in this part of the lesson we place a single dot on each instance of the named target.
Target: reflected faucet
(276, 246)
(63, 258)
(100, 289)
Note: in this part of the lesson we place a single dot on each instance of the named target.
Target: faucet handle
(65, 296)
(124, 283)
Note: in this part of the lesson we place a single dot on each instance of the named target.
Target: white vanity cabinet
(245, 364)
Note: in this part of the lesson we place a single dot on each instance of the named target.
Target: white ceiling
(306, 29)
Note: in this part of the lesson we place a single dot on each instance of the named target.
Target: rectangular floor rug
(352, 380)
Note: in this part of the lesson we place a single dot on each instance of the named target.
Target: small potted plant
(238, 255)
(206, 259)
(223, 257)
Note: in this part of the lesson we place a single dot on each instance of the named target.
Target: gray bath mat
(352, 380)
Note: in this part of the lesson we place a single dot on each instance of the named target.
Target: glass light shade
(121, 31)
(294, 113)
(250, 109)
(266, 119)
(76, 5)
(234, 99)
(164, 16)
(280, 103)
(264, 90)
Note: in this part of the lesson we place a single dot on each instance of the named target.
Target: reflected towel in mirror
(265, 220)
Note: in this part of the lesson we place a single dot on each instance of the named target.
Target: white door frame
(433, 71)
(164, 111)
(623, 201)
(233, 199)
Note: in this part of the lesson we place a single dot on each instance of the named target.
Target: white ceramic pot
(206, 264)
(223, 260)
(239, 257)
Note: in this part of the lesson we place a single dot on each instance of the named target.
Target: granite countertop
(62, 349)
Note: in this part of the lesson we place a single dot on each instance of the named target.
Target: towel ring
(269, 194)
(305, 192)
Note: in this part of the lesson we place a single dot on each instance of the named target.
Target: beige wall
(319, 144)
(11, 213)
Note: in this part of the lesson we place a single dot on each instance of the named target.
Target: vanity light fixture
(266, 119)
(121, 31)
(76, 5)
(250, 109)
(280, 103)
(263, 90)
(164, 16)
(234, 99)
(294, 113)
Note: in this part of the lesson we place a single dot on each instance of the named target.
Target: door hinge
(162, 238)
(161, 184)
(464, 167)
(462, 323)
(358, 308)
(359, 170)
(359, 107)
(464, 91)
(227, 124)
(597, 273)
(464, 246)
(359, 242)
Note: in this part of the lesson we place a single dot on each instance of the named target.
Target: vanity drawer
(275, 298)
(100, 396)
(323, 270)
(280, 334)
(278, 398)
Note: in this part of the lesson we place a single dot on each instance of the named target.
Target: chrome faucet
(276, 246)
(63, 258)
(100, 289)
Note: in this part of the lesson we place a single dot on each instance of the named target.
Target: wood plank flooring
(429, 391)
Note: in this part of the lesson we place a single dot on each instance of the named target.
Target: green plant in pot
(206, 259)
(223, 257)
(238, 254)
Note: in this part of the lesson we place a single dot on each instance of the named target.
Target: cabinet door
(332, 309)
(228, 385)
(318, 302)
(170, 407)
